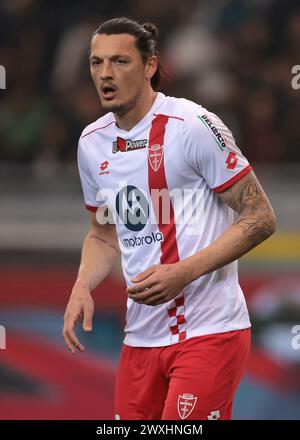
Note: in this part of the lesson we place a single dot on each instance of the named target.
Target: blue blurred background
(234, 57)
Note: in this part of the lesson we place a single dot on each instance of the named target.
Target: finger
(71, 344)
(143, 275)
(75, 341)
(68, 343)
(141, 294)
(140, 287)
(153, 300)
(159, 301)
(145, 294)
(88, 312)
(70, 333)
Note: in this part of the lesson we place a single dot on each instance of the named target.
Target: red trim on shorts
(157, 180)
(99, 128)
(91, 208)
(233, 180)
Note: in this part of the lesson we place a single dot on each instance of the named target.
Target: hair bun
(150, 27)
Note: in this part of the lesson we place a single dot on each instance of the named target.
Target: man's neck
(136, 114)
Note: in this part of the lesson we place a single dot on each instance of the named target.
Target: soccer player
(187, 334)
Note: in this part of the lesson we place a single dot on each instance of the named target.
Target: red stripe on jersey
(179, 301)
(181, 319)
(174, 329)
(182, 336)
(233, 180)
(91, 208)
(157, 180)
(172, 311)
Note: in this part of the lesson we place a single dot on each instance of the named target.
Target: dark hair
(145, 40)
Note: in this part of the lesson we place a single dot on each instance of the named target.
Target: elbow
(268, 226)
(272, 222)
(258, 228)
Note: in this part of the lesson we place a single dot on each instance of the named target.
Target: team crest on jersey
(185, 404)
(124, 145)
(155, 156)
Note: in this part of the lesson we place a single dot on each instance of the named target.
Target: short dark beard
(122, 109)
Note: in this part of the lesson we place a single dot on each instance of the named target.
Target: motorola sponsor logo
(146, 239)
(132, 208)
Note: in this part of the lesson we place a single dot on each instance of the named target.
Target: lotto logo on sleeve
(231, 161)
(103, 167)
(214, 415)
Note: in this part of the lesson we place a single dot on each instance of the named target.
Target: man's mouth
(108, 92)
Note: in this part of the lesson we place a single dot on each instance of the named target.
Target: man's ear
(151, 67)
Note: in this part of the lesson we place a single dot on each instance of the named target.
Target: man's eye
(95, 63)
(121, 62)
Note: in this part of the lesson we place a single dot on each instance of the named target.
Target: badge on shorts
(185, 405)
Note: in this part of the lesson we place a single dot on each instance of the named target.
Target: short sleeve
(89, 187)
(212, 151)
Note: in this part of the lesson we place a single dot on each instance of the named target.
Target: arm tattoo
(106, 242)
(250, 194)
(257, 230)
(255, 211)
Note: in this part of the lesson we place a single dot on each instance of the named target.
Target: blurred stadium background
(232, 56)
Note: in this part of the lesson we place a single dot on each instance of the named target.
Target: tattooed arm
(255, 223)
(256, 215)
(99, 253)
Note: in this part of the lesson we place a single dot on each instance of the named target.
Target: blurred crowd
(233, 57)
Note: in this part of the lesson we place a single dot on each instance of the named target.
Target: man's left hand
(158, 284)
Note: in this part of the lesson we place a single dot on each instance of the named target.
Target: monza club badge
(185, 404)
(155, 156)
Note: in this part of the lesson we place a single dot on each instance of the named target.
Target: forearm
(237, 240)
(99, 253)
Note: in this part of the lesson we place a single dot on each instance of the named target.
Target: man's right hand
(80, 306)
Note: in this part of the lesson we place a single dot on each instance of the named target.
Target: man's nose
(106, 71)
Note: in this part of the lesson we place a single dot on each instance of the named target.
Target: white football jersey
(160, 182)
